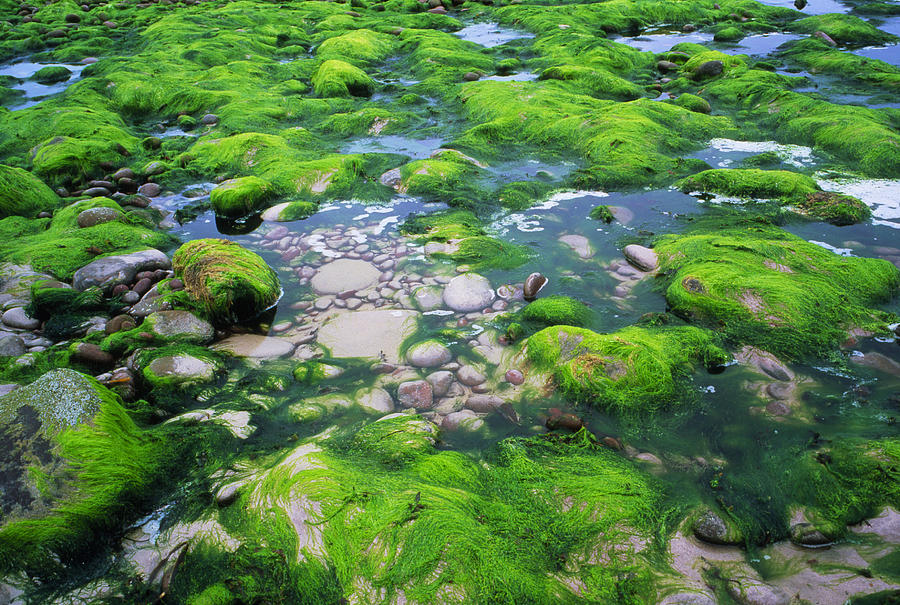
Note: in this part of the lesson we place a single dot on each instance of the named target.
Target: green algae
(239, 197)
(556, 311)
(631, 372)
(227, 281)
(759, 285)
(109, 464)
(752, 183)
(23, 194)
(336, 78)
(845, 29)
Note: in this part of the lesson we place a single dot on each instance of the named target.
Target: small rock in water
(806, 534)
(469, 376)
(463, 420)
(428, 354)
(17, 318)
(468, 292)
(534, 283)
(710, 528)
(96, 216)
(825, 38)
(579, 244)
(483, 403)
(376, 400)
(440, 382)
(568, 422)
(643, 258)
(92, 355)
(514, 377)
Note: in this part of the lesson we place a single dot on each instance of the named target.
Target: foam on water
(881, 195)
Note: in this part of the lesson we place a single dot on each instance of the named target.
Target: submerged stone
(374, 334)
(255, 346)
(344, 274)
(428, 354)
(468, 292)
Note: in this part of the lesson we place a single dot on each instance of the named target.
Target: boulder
(255, 346)
(468, 292)
(643, 258)
(110, 271)
(374, 334)
(428, 354)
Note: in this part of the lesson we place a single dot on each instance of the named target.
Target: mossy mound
(23, 194)
(760, 285)
(835, 208)
(845, 29)
(557, 311)
(751, 183)
(239, 197)
(79, 465)
(631, 372)
(58, 246)
(51, 74)
(336, 78)
(227, 281)
(178, 367)
(693, 103)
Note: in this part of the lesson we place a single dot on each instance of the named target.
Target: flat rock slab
(109, 271)
(580, 244)
(468, 292)
(183, 369)
(370, 334)
(343, 275)
(255, 346)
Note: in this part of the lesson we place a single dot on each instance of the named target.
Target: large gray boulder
(110, 271)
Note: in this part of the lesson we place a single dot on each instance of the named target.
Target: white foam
(796, 155)
(881, 195)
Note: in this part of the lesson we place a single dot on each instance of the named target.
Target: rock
(568, 422)
(376, 334)
(471, 76)
(344, 274)
(180, 370)
(121, 269)
(463, 420)
(375, 400)
(96, 192)
(17, 318)
(483, 403)
(688, 598)
(872, 359)
(440, 382)
(749, 591)
(91, 355)
(778, 408)
(799, 4)
(428, 298)
(666, 66)
(534, 283)
(710, 528)
(179, 326)
(579, 244)
(11, 346)
(96, 216)
(514, 377)
(643, 258)
(392, 178)
(124, 173)
(416, 394)
(709, 69)
(228, 494)
(806, 534)
(255, 346)
(428, 354)
(468, 292)
(149, 190)
(470, 376)
(209, 119)
(825, 38)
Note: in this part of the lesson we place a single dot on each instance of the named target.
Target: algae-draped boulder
(229, 282)
(633, 371)
(336, 78)
(239, 197)
(74, 463)
(556, 311)
(23, 194)
(760, 285)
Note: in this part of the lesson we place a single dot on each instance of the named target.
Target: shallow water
(414, 148)
(888, 54)
(813, 7)
(661, 42)
(36, 92)
(491, 34)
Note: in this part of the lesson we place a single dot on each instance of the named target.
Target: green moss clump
(51, 74)
(631, 372)
(336, 78)
(227, 281)
(751, 183)
(23, 194)
(595, 82)
(295, 211)
(443, 225)
(359, 46)
(729, 34)
(88, 461)
(557, 311)
(757, 284)
(239, 197)
(693, 103)
(845, 29)
(835, 208)
(602, 213)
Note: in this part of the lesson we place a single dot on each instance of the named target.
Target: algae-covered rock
(74, 464)
(23, 194)
(751, 183)
(835, 208)
(693, 102)
(760, 285)
(239, 197)
(635, 370)
(52, 74)
(178, 366)
(556, 311)
(336, 78)
(227, 281)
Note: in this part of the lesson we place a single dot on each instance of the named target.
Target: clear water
(36, 92)
(413, 148)
(813, 7)
(888, 54)
(491, 34)
(661, 42)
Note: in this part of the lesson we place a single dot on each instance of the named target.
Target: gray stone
(121, 269)
(344, 274)
(470, 376)
(468, 292)
(710, 528)
(255, 346)
(17, 318)
(375, 400)
(463, 420)
(709, 69)
(579, 244)
(749, 591)
(643, 258)
(428, 298)
(416, 394)
(440, 382)
(11, 346)
(182, 369)
(96, 216)
(428, 354)
(376, 334)
(179, 326)
(483, 403)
